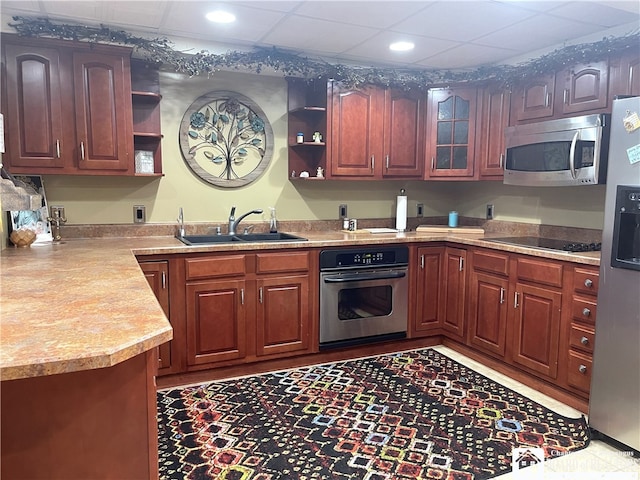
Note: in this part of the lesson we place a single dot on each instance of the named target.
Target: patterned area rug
(416, 414)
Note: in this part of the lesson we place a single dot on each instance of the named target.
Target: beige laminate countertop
(84, 303)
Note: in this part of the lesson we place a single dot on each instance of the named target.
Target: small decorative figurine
(320, 172)
(317, 137)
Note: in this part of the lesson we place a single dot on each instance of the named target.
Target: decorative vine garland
(160, 50)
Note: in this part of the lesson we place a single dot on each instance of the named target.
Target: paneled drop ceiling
(447, 34)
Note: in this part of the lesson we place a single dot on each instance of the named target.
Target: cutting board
(446, 229)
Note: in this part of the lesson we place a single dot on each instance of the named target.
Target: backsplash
(573, 234)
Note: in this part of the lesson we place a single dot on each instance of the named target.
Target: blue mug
(453, 219)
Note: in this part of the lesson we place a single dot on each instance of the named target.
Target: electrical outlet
(342, 211)
(420, 210)
(139, 214)
(489, 211)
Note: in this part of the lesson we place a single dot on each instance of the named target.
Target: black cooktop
(549, 243)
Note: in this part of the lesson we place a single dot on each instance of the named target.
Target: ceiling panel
(447, 33)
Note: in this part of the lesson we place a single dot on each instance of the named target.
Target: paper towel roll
(401, 213)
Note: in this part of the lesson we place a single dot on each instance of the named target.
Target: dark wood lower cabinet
(488, 311)
(98, 424)
(536, 328)
(216, 321)
(429, 278)
(233, 311)
(244, 307)
(454, 293)
(157, 274)
(282, 320)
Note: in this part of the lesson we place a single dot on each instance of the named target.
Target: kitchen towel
(401, 212)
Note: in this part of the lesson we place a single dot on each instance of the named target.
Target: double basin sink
(239, 238)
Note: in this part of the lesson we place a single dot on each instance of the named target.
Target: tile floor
(598, 461)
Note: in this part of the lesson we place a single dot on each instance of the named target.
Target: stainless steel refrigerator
(614, 405)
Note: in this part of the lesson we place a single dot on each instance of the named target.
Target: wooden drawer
(584, 309)
(585, 280)
(540, 271)
(282, 262)
(491, 262)
(581, 338)
(210, 267)
(579, 370)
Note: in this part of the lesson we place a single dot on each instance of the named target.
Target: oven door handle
(364, 277)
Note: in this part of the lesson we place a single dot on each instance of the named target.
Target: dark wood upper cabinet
(451, 128)
(68, 107)
(376, 133)
(403, 134)
(104, 128)
(575, 90)
(493, 118)
(356, 132)
(533, 100)
(585, 88)
(624, 75)
(37, 130)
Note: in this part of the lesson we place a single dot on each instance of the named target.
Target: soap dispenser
(273, 222)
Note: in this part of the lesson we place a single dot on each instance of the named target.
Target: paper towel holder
(401, 211)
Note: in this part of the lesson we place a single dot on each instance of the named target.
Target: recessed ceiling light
(220, 16)
(401, 46)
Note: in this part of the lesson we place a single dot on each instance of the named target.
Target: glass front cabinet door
(451, 132)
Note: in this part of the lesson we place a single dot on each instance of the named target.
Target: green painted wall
(106, 200)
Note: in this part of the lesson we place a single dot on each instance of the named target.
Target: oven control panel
(364, 257)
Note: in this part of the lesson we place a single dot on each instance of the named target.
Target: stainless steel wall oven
(363, 295)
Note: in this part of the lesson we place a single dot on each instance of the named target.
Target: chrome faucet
(233, 223)
(181, 222)
(56, 220)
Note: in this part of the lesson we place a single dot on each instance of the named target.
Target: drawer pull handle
(584, 341)
(588, 283)
(501, 295)
(422, 262)
(586, 312)
(582, 369)
(515, 300)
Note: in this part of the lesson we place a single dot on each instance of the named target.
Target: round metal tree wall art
(226, 139)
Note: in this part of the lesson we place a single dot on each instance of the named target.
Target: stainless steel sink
(239, 238)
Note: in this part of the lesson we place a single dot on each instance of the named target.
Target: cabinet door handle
(433, 163)
(260, 296)
(387, 162)
(586, 312)
(501, 295)
(501, 160)
(547, 100)
(242, 296)
(460, 264)
(82, 150)
(422, 262)
(515, 300)
(163, 280)
(566, 96)
(584, 341)
(58, 148)
(373, 163)
(582, 369)
(588, 283)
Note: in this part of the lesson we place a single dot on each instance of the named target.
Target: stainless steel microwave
(568, 151)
